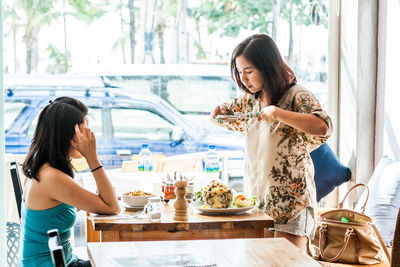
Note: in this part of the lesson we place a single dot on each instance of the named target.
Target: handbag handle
(340, 206)
(322, 242)
(381, 242)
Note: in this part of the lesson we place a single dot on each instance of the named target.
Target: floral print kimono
(278, 166)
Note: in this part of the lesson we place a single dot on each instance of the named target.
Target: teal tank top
(34, 239)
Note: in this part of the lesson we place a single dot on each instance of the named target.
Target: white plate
(220, 211)
(126, 205)
(132, 206)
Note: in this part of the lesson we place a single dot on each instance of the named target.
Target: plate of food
(221, 211)
(217, 199)
(136, 198)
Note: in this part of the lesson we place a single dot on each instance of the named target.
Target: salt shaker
(190, 192)
(154, 208)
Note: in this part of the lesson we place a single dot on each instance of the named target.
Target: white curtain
(391, 118)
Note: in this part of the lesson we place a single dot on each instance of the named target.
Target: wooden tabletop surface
(231, 252)
(196, 221)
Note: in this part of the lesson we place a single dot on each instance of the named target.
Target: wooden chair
(171, 164)
(17, 185)
(396, 244)
(56, 249)
(129, 166)
(132, 165)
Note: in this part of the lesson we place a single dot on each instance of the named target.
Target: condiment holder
(168, 186)
(190, 192)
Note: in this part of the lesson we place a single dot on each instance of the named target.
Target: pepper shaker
(181, 204)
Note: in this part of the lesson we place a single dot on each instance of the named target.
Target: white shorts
(302, 225)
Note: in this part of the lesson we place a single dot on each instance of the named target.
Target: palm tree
(37, 13)
(32, 15)
(83, 10)
(11, 18)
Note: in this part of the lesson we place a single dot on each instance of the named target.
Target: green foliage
(36, 12)
(198, 197)
(231, 16)
(11, 18)
(300, 11)
(225, 17)
(86, 10)
(166, 9)
(201, 54)
(318, 11)
(58, 62)
(122, 39)
(32, 15)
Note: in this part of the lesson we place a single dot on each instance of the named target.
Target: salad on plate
(218, 196)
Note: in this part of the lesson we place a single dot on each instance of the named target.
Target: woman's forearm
(308, 123)
(104, 187)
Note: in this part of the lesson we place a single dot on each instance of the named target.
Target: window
(12, 111)
(136, 124)
(390, 126)
(94, 117)
(32, 127)
(142, 84)
(190, 88)
(95, 122)
(199, 94)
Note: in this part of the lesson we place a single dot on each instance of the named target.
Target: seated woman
(52, 196)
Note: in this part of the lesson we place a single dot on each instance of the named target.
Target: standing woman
(52, 196)
(291, 123)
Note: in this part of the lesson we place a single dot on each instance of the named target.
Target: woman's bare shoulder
(48, 173)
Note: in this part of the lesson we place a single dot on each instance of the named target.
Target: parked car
(192, 89)
(120, 121)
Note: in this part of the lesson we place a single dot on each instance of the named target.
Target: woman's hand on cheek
(268, 113)
(86, 140)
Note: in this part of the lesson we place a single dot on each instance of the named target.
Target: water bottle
(212, 162)
(145, 160)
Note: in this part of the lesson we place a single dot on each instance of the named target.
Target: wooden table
(246, 225)
(235, 252)
(383, 263)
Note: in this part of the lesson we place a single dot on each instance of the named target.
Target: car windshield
(201, 94)
(136, 124)
(178, 115)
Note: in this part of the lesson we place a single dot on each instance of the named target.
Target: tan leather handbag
(348, 236)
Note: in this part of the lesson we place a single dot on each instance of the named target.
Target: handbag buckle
(323, 228)
(349, 232)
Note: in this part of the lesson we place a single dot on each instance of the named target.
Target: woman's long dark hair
(263, 53)
(52, 138)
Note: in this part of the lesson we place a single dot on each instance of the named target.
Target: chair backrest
(56, 249)
(17, 185)
(13, 237)
(172, 164)
(395, 262)
(129, 166)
